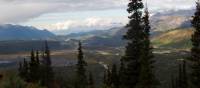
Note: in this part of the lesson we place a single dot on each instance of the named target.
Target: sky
(56, 15)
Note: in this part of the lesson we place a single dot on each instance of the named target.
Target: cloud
(97, 23)
(16, 11)
(162, 5)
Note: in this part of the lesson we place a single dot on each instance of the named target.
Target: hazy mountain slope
(177, 38)
(17, 32)
(165, 21)
(174, 38)
(112, 37)
(102, 33)
(169, 29)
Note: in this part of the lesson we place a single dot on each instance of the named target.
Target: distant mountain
(186, 12)
(111, 37)
(165, 21)
(102, 33)
(84, 29)
(169, 29)
(17, 32)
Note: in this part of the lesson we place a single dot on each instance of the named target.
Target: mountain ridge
(18, 32)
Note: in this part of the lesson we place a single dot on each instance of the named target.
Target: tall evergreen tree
(37, 66)
(147, 78)
(182, 76)
(114, 77)
(47, 74)
(122, 74)
(185, 75)
(134, 37)
(47, 58)
(33, 67)
(80, 69)
(104, 79)
(37, 57)
(195, 51)
(107, 78)
(91, 81)
(24, 70)
(20, 69)
(138, 55)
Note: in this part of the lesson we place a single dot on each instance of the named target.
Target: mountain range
(169, 29)
(17, 32)
(165, 21)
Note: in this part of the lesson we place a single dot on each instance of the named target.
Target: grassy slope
(177, 38)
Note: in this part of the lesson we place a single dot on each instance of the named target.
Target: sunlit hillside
(177, 38)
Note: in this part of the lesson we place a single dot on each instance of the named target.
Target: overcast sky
(64, 14)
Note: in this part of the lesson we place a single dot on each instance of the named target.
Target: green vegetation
(177, 39)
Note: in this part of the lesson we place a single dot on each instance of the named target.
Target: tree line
(137, 65)
(38, 69)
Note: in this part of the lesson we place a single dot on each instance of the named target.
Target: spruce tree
(91, 81)
(147, 78)
(20, 70)
(37, 57)
(47, 74)
(182, 75)
(185, 75)
(138, 55)
(80, 69)
(33, 67)
(122, 75)
(107, 78)
(134, 37)
(24, 70)
(114, 77)
(37, 65)
(195, 51)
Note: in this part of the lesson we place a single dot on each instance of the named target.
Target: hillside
(98, 38)
(177, 38)
(17, 32)
(174, 38)
(171, 29)
(162, 22)
(165, 23)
